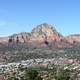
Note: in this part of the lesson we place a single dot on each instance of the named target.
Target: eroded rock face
(45, 31)
(42, 34)
(73, 38)
(21, 37)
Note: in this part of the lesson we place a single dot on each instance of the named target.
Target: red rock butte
(40, 34)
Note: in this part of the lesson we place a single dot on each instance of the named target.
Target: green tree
(32, 75)
(12, 78)
(63, 74)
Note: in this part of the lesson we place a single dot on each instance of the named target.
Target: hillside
(43, 42)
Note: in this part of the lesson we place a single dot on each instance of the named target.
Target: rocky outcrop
(45, 31)
(73, 38)
(41, 34)
(19, 38)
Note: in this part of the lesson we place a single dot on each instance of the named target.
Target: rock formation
(42, 34)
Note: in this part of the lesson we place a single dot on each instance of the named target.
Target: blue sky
(22, 15)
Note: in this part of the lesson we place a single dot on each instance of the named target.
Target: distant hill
(43, 42)
(43, 33)
(73, 38)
